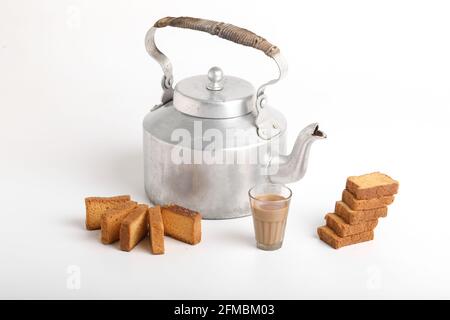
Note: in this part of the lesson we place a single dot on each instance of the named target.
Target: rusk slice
(112, 219)
(95, 206)
(343, 229)
(374, 203)
(332, 239)
(156, 230)
(358, 216)
(134, 227)
(372, 185)
(182, 224)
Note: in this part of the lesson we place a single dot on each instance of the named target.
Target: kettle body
(217, 188)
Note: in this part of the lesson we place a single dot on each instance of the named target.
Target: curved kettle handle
(225, 31)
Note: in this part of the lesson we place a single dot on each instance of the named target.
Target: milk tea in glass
(270, 206)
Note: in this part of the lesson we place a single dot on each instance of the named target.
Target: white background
(76, 82)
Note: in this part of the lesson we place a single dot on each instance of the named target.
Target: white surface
(75, 83)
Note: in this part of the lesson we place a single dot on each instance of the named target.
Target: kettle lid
(214, 95)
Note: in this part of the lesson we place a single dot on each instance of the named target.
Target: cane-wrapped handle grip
(223, 30)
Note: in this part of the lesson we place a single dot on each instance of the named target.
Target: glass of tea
(270, 205)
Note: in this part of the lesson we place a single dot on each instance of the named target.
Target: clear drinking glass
(270, 205)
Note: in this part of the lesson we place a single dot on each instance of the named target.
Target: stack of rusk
(364, 200)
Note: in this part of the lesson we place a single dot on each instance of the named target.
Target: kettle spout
(292, 167)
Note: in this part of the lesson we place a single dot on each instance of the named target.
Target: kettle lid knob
(215, 77)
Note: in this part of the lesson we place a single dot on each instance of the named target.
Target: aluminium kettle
(213, 136)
